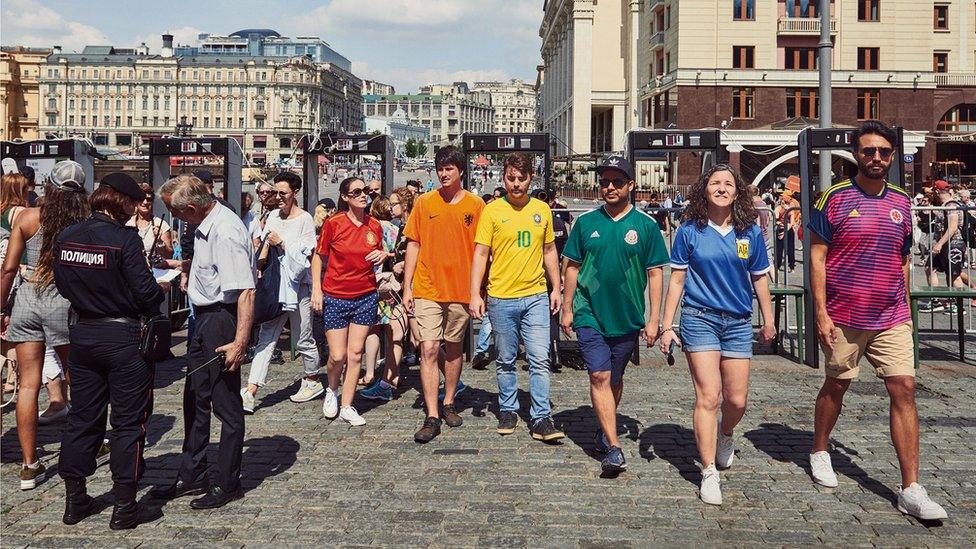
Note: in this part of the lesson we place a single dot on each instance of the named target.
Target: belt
(114, 319)
(214, 307)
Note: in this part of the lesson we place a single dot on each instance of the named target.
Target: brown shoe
(430, 430)
(451, 417)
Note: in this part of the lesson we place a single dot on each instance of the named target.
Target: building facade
(446, 116)
(401, 129)
(372, 87)
(514, 103)
(19, 95)
(266, 43)
(123, 97)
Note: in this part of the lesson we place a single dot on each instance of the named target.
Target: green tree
(411, 148)
(421, 148)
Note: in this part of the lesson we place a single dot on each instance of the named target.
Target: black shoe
(78, 505)
(126, 513)
(451, 417)
(507, 421)
(430, 430)
(480, 361)
(216, 497)
(545, 430)
(181, 488)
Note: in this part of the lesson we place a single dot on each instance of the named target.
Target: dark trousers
(212, 389)
(106, 367)
(785, 243)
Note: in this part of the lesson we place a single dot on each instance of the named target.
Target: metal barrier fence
(957, 256)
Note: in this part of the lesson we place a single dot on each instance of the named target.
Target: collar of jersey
(884, 191)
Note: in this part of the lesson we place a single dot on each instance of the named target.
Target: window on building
(145, 121)
(240, 122)
(869, 10)
(802, 8)
(51, 120)
(118, 121)
(71, 119)
(123, 139)
(118, 104)
(217, 122)
(802, 102)
(156, 74)
(959, 119)
(667, 18)
(240, 106)
(868, 59)
(284, 122)
(743, 9)
(259, 123)
(105, 121)
(667, 61)
(940, 63)
(801, 58)
(743, 103)
(129, 104)
(128, 121)
(84, 104)
(71, 104)
(867, 104)
(743, 57)
(230, 122)
(156, 103)
(286, 106)
(217, 106)
(940, 17)
(105, 105)
(206, 106)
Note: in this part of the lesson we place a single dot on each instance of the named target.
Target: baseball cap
(941, 185)
(616, 162)
(124, 184)
(28, 172)
(328, 203)
(69, 176)
(204, 175)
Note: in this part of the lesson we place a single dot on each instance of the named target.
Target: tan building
(123, 97)
(514, 103)
(750, 66)
(589, 86)
(446, 110)
(372, 87)
(19, 97)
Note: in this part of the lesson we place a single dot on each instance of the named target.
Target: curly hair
(60, 210)
(743, 211)
(380, 209)
(406, 198)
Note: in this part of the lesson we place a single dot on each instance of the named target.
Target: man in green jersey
(614, 253)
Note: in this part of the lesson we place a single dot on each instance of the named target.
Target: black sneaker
(480, 361)
(507, 421)
(614, 463)
(451, 417)
(545, 430)
(600, 443)
(430, 430)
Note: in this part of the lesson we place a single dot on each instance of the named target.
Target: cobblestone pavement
(310, 481)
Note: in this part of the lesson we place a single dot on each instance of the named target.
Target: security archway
(222, 148)
(503, 143)
(791, 155)
(42, 154)
(340, 144)
(643, 144)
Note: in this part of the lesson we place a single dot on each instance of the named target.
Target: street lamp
(183, 129)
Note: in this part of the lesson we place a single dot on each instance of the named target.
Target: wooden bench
(780, 293)
(959, 295)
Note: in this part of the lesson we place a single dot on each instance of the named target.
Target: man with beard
(861, 246)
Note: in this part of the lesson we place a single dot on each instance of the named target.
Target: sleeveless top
(32, 249)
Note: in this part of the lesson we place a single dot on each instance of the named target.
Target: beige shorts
(440, 321)
(890, 351)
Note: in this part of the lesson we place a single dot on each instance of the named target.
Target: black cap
(124, 184)
(328, 203)
(204, 175)
(616, 162)
(28, 172)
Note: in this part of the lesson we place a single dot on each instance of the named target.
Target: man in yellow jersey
(516, 231)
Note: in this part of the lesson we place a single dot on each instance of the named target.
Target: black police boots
(126, 513)
(78, 505)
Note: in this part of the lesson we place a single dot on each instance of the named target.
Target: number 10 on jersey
(523, 239)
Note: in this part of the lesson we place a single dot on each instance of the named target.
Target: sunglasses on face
(282, 194)
(618, 182)
(356, 193)
(265, 193)
(869, 152)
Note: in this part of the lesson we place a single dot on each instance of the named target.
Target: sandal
(363, 383)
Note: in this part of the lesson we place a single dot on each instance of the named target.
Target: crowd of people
(404, 274)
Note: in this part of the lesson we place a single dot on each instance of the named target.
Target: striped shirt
(867, 239)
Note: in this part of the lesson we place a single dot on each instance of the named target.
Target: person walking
(861, 234)
(436, 280)
(221, 288)
(517, 232)
(787, 222)
(718, 259)
(613, 255)
(155, 232)
(387, 314)
(100, 268)
(344, 291)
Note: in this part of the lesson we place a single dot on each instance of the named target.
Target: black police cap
(124, 184)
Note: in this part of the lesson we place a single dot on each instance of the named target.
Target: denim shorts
(339, 313)
(711, 330)
(606, 354)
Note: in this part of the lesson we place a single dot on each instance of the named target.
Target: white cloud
(28, 23)
(353, 16)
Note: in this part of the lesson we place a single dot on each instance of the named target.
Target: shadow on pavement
(581, 426)
(674, 444)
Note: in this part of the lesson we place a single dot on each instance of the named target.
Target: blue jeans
(484, 336)
(527, 317)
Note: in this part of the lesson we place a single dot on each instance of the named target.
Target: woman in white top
(154, 231)
(291, 230)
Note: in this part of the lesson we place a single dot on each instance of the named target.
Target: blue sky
(406, 43)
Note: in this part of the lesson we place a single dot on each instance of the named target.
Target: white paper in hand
(165, 275)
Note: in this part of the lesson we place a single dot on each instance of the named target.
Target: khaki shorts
(440, 321)
(889, 351)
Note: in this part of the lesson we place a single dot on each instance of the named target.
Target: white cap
(68, 175)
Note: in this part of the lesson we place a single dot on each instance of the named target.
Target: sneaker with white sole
(710, 490)
(29, 475)
(821, 469)
(351, 416)
(330, 406)
(915, 501)
(724, 450)
(308, 390)
(247, 400)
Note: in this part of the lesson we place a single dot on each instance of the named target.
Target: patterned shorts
(39, 314)
(339, 313)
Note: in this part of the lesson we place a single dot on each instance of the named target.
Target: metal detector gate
(641, 143)
(162, 149)
(503, 143)
(339, 144)
(823, 141)
(30, 153)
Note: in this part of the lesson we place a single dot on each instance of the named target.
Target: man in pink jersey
(862, 237)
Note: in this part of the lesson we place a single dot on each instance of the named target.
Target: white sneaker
(711, 489)
(307, 391)
(725, 450)
(822, 470)
(915, 501)
(330, 406)
(351, 416)
(248, 401)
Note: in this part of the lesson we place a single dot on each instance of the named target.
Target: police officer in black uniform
(101, 268)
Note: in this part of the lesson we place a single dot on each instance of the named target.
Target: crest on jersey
(742, 248)
(371, 238)
(468, 219)
(537, 218)
(631, 237)
(896, 216)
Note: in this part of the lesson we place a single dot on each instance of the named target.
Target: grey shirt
(222, 259)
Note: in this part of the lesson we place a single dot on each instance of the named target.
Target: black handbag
(156, 338)
(266, 304)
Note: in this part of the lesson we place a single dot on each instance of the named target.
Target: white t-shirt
(148, 233)
(298, 231)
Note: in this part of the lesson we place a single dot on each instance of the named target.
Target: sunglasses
(282, 194)
(265, 193)
(356, 193)
(618, 182)
(869, 152)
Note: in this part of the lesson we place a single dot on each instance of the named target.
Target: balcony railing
(657, 40)
(803, 25)
(956, 79)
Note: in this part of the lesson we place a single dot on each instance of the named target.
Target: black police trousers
(106, 368)
(212, 389)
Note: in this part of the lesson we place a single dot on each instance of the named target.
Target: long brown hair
(60, 210)
(743, 211)
(13, 191)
